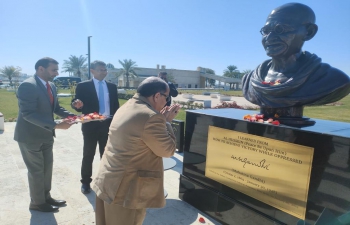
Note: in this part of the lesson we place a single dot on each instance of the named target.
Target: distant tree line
(76, 66)
(230, 71)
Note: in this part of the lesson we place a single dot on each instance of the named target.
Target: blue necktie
(101, 97)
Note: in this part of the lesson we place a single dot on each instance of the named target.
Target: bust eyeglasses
(167, 97)
(279, 29)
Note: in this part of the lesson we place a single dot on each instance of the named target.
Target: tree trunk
(127, 80)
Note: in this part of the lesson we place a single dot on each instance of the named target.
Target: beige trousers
(112, 214)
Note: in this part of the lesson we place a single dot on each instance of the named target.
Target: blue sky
(181, 34)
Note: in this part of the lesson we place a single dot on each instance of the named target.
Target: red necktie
(49, 92)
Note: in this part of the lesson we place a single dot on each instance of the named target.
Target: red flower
(277, 82)
(276, 122)
(252, 119)
(201, 219)
(260, 116)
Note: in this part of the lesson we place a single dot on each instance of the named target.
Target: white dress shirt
(106, 95)
(44, 83)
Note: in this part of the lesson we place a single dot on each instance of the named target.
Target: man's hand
(64, 125)
(78, 104)
(170, 112)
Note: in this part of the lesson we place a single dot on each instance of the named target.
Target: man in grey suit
(35, 128)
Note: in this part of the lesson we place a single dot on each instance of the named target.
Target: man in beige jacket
(130, 177)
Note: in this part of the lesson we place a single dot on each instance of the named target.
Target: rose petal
(260, 116)
(201, 219)
(276, 122)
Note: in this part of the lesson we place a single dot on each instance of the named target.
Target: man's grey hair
(96, 63)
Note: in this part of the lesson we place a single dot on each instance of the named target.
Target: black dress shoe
(55, 202)
(43, 207)
(85, 188)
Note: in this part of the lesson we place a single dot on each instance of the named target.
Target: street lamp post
(89, 56)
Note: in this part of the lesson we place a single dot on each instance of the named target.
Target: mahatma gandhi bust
(292, 78)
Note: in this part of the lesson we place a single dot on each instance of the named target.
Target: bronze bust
(292, 78)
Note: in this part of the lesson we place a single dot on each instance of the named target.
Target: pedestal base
(295, 111)
(295, 121)
(328, 183)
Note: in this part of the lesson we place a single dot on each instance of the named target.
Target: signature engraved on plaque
(245, 161)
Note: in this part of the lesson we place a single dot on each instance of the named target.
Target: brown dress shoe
(55, 202)
(43, 207)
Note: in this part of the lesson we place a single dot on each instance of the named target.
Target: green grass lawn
(9, 107)
(8, 104)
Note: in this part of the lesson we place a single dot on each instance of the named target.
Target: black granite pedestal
(329, 190)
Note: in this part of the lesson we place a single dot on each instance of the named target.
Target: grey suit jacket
(35, 122)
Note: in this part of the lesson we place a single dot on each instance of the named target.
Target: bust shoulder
(338, 74)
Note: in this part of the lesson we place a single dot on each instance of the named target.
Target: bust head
(292, 78)
(287, 28)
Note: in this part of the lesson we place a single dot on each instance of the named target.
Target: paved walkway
(14, 194)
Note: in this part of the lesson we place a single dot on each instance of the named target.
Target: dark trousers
(97, 132)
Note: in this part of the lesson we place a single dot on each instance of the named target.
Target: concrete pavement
(14, 193)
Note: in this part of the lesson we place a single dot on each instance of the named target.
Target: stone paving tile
(172, 215)
(14, 192)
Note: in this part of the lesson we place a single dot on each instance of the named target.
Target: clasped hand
(170, 112)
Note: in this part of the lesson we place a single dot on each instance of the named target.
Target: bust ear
(311, 31)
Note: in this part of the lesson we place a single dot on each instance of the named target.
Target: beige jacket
(131, 169)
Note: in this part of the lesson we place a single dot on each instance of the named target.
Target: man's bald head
(287, 28)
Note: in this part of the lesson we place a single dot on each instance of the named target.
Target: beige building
(181, 78)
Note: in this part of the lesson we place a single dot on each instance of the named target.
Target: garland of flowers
(271, 83)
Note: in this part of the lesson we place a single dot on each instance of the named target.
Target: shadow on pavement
(42, 218)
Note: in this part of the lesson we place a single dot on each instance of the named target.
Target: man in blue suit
(35, 129)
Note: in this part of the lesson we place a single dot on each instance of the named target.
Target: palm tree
(128, 69)
(110, 66)
(10, 72)
(207, 80)
(210, 71)
(211, 82)
(75, 65)
(232, 72)
(245, 72)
